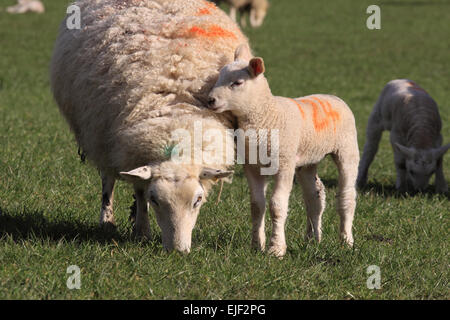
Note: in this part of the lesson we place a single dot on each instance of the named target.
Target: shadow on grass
(388, 191)
(414, 3)
(32, 224)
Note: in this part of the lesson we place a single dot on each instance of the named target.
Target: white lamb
(256, 9)
(136, 72)
(24, 6)
(412, 117)
(309, 128)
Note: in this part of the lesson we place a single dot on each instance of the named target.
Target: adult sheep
(134, 73)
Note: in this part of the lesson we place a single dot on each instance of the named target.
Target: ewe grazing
(412, 117)
(309, 128)
(136, 72)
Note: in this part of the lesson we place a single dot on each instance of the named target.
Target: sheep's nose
(211, 101)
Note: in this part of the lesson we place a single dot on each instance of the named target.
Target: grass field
(49, 201)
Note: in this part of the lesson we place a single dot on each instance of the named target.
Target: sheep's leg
(314, 197)
(142, 222)
(106, 212)
(373, 136)
(347, 164)
(440, 183)
(279, 203)
(257, 185)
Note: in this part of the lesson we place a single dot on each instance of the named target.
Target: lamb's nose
(211, 101)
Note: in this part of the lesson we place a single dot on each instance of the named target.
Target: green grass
(49, 201)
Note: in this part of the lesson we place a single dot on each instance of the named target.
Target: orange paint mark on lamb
(299, 108)
(322, 121)
(213, 31)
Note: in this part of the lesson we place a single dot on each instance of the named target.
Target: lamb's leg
(257, 185)
(233, 13)
(347, 164)
(314, 197)
(142, 222)
(440, 183)
(243, 17)
(400, 167)
(279, 203)
(373, 136)
(107, 212)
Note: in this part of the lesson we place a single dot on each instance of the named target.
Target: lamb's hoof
(258, 247)
(348, 240)
(277, 251)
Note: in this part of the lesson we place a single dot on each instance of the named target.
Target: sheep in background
(23, 6)
(309, 128)
(136, 72)
(412, 117)
(256, 9)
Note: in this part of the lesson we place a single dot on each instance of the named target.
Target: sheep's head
(239, 83)
(176, 194)
(420, 164)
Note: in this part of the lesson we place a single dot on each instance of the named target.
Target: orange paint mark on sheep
(209, 6)
(415, 86)
(213, 31)
(299, 108)
(322, 119)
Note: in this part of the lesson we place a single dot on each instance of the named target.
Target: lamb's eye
(236, 83)
(198, 201)
(154, 201)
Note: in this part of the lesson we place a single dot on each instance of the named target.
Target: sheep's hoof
(277, 251)
(141, 235)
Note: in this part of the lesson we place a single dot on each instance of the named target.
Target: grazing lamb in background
(309, 128)
(256, 9)
(412, 117)
(23, 6)
(136, 72)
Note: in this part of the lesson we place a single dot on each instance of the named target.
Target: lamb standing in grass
(309, 128)
(412, 117)
(136, 72)
(257, 10)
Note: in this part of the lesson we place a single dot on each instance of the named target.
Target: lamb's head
(240, 83)
(176, 193)
(420, 164)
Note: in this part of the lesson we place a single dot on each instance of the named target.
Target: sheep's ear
(439, 152)
(407, 152)
(139, 174)
(209, 173)
(256, 66)
(242, 53)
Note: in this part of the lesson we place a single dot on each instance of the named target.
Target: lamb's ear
(242, 53)
(439, 152)
(407, 152)
(256, 66)
(214, 174)
(139, 174)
